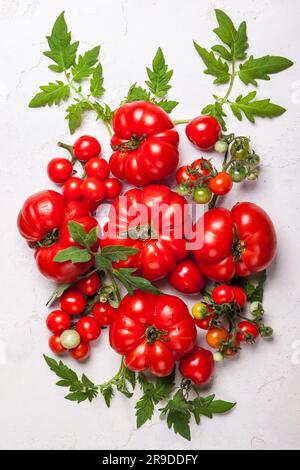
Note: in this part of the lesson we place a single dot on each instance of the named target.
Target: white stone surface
(265, 379)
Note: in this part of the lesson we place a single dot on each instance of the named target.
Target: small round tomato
(89, 285)
(234, 350)
(187, 277)
(58, 321)
(202, 166)
(55, 344)
(81, 352)
(239, 296)
(182, 189)
(221, 184)
(184, 175)
(104, 313)
(86, 147)
(91, 206)
(198, 366)
(93, 189)
(97, 167)
(88, 329)
(72, 189)
(72, 302)
(215, 336)
(200, 310)
(70, 339)
(76, 210)
(221, 146)
(113, 188)
(222, 294)
(59, 170)
(205, 323)
(237, 174)
(249, 331)
(202, 194)
(203, 131)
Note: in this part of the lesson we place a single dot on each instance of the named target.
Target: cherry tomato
(70, 339)
(72, 189)
(215, 336)
(93, 189)
(239, 296)
(88, 329)
(200, 310)
(202, 194)
(86, 147)
(198, 366)
(81, 352)
(72, 302)
(187, 277)
(203, 166)
(183, 175)
(104, 313)
(205, 323)
(203, 131)
(222, 294)
(182, 189)
(232, 352)
(238, 174)
(92, 206)
(97, 167)
(55, 344)
(89, 285)
(76, 210)
(113, 188)
(58, 321)
(249, 331)
(221, 183)
(59, 170)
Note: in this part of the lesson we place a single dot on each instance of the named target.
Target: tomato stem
(181, 121)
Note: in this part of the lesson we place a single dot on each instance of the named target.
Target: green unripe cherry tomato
(252, 175)
(240, 148)
(70, 339)
(237, 174)
(221, 146)
(182, 189)
(202, 194)
(199, 311)
(218, 357)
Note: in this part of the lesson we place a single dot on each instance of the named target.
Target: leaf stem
(231, 83)
(181, 121)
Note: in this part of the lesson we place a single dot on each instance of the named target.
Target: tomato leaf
(75, 113)
(53, 93)
(144, 410)
(118, 253)
(250, 107)
(159, 76)
(216, 110)
(83, 68)
(137, 93)
(73, 254)
(57, 293)
(167, 105)
(77, 232)
(215, 67)
(236, 39)
(130, 282)
(262, 68)
(96, 84)
(105, 113)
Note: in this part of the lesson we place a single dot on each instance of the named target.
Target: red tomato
(91, 206)
(40, 214)
(113, 188)
(187, 277)
(87, 223)
(198, 366)
(152, 331)
(239, 296)
(86, 147)
(89, 285)
(236, 243)
(183, 175)
(104, 313)
(153, 219)
(59, 170)
(58, 321)
(221, 184)
(249, 331)
(81, 352)
(72, 302)
(203, 166)
(203, 131)
(205, 323)
(55, 344)
(145, 144)
(93, 189)
(72, 189)
(88, 329)
(215, 336)
(76, 210)
(222, 295)
(98, 168)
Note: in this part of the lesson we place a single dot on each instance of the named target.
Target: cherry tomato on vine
(237, 174)
(97, 167)
(72, 189)
(187, 277)
(182, 189)
(58, 321)
(249, 331)
(200, 310)
(221, 184)
(55, 344)
(59, 170)
(183, 175)
(104, 313)
(239, 296)
(72, 302)
(89, 285)
(203, 166)
(198, 366)
(202, 194)
(113, 188)
(93, 189)
(88, 329)
(222, 294)
(81, 352)
(86, 147)
(234, 350)
(203, 131)
(205, 323)
(215, 336)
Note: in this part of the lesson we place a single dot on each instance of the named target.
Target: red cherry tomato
(81, 352)
(72, 189)
(59, 170)
(183, 175)
(76, 210)
(58, 321)
(203, 166)
(187, 277)
(72, 302)
(232, 352)
(55, 344)
(113, 188)
(93, 189)
(239, 296)
(104, 313)
(222, 294)
(249, 331)
(88, 329)
(205, 323)
(89, 285)
(97, 167)
(203, 131)
(86, 147)
(198, 366)
(221, 184)
(91, 206)
(215, 336)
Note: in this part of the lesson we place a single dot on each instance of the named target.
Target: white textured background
(265, 379)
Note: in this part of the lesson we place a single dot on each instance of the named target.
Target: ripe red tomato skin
(72, 302)
(222, 294)
(113, 188)
(247, 328)
(104, 313)
(215, 336)
(55, 344)
(239, 296)
(98, 168)
(183, 175)
(221, 184)
(86, 147)
(72, 189)
(198, 366)
(93, 189)
(204, 324)
(203, 131)
(88, 329)
(89, 285)
(76, 210)
(59, 170)
(81, 352)
(58, 321)
(187, 277)
(200, 165)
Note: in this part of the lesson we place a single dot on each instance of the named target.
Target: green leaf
(118, 253)
(60, 369)
(137, 93)
(251, 108)
(74, 114)
(178, 415)
(104, 113)
(220, 407)
(57, 293)
(159, 76)
(167, 105)
(144, 410)
(84, 66)
(125, 275)
(73, 254)
(217, 112)
(53, 93)
(262, 68)
(235, 39)
(77, 232)
(102, 262)
(215, 67)
(92, 237)
(163, 387)
(96, 84)
(108, 394)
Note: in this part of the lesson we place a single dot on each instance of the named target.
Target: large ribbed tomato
(152, 332)
(239, 242)
(152, 220)
(145, 143)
